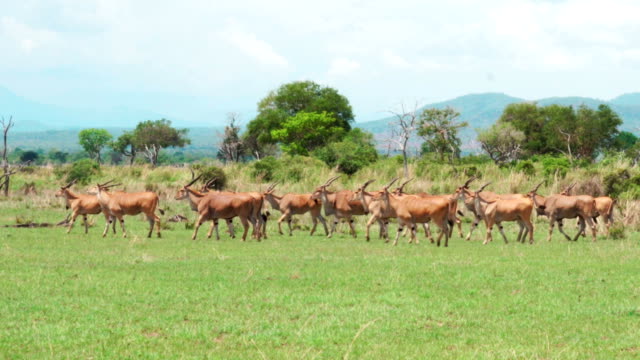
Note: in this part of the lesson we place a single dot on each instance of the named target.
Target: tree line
(307, 119)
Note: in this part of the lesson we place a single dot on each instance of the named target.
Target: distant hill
(482, 110)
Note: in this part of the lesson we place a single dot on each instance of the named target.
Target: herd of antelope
(410, 210)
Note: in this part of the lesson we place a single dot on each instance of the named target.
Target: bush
(264, 169)
(526, 167)
(83, 170)
(555, 166)
(351, 154)
(617, 231)
(209, 172)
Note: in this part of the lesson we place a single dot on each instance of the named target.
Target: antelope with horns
(216, 205)
(80, 204)
(339, 204)
(118, 204)
(400, 191)
(558, 207)
(497, 210)
(194, 200)
(295, 204)
(412, 209)
(468, 198)
(604, 207)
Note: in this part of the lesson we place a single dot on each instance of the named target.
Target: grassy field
(303, 297)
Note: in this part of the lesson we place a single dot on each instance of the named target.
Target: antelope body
(80, 204)
(118, 204)
(339, 204)
(296, 204)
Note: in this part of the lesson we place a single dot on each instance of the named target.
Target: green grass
(77, 296)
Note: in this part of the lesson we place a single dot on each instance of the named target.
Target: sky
(197, 60)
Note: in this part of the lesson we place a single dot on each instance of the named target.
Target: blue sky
(197, 60)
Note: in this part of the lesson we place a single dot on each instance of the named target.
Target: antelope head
(270, 189)
(317, 193)
(400, 189)
(183, 192)
(63, 189)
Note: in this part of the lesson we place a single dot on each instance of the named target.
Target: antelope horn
(466, 184)
(331, 180)
(482, 188)
(193, 181)
(69, 184)
(391, 183)
(401, 187)
(103, 185)
(111, 186)
(272, 186)
(367, 184)
(536, 188)
(193, 175)
(210, 183)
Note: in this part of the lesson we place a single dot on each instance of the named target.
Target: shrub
(526, 167)
(264, 169)
(555, 166)
(83, 170)
(209, 172)
(617, 231)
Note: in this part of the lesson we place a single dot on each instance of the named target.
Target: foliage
(439, 129)
(287, 101)
(580, 133)
(83, 171)
(502, 142)
(624, 141)
(29, 156)
(354, 152)
(209, 172)
(526, 167)
(264, 169)
(57, 156)
(307, 131)
(93, 141)
(622, 184)
(152, 136)
(555, 166)
(125, 146)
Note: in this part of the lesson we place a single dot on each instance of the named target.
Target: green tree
(354, 152)
(624, 141)
(151, 136)
(125, 145)
(439, 129)
(287, 101)
(93, 141)
(29, 156)
(502, 142)
(307, 131)
(58, 156)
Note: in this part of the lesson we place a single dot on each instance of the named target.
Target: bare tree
(403, 127)
(6, 169)
(232, 146)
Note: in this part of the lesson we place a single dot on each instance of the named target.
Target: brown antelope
(258, 200)
(604, 206)
(400, 191)
(497, 210)
(469, 202)
(295, 204)
(118, 204)
(558, 207)
(80, 204)
(194, 200)
(412, 209)
(339, 204)
(226, 206)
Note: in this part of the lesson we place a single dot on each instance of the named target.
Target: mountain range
(49, 126)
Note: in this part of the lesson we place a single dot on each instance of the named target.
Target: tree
(6, 169)
(354, 152)
(439, 129)
(29, 156)
(624, 141)
(151, 136)
(58, 156)
(307, 131)
(93, 141)
(287, 101)
(502, 142)
(402, 128)
(232, 147)
(125, 146)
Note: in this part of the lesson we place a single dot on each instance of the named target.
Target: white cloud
(343, 66)
(258, 49)
(394, 60)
